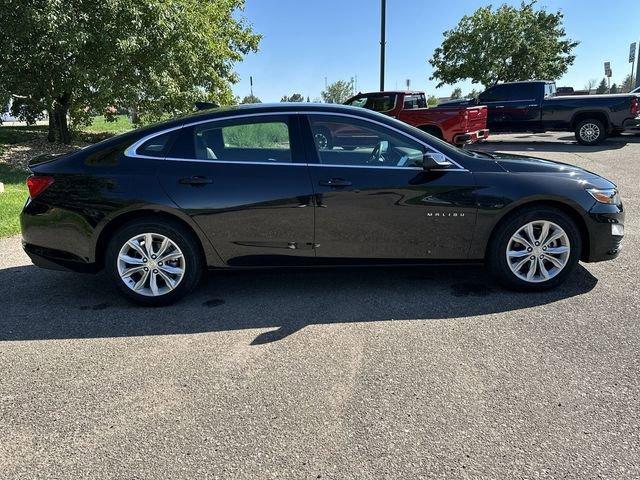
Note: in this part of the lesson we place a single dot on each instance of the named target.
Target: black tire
(184, 239)
(590, 132)
(323, 139)
(497, 252)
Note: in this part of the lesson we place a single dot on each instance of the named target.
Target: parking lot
(369, 373)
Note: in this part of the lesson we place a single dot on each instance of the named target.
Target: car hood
(523, 164)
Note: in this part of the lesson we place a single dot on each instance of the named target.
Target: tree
(614, 88)
(296, 97)
(590, 84)
(602, 88)
(337, 92)
(432, 101)
(502, 45)
(472, 94)
(457, 93)
(251, 99)
(74, 59)
(627, 85)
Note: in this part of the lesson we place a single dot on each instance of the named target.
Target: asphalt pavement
(333, 374)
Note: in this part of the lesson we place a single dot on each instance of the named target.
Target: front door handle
(335, 183)
(195, 180)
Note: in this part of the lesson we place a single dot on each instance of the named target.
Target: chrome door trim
(131, 151)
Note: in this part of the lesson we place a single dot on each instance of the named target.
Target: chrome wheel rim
(538, 251)
(589, 132)
(151, 264)
(321, 141)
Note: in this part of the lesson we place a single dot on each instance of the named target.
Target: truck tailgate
(476, 118)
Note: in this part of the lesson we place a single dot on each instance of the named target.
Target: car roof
(251, 108)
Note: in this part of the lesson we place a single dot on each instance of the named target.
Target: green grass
(101, 125)
(12, 199)
(15, 191)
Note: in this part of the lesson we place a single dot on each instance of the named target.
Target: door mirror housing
(434, 161)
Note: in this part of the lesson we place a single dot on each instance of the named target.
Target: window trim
(131, 151)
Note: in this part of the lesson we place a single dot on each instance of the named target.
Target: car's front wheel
(535, 250)
(154, 262)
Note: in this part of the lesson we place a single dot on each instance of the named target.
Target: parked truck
(533, 106)
(456, 124)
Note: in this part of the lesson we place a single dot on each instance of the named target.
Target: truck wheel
(590, 132)
(323, 138)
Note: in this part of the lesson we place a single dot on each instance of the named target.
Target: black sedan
(263, 186)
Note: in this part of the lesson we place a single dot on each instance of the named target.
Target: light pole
(383, 14)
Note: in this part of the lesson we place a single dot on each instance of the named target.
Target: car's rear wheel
(590, 132)
(154, 262)
(535, 250)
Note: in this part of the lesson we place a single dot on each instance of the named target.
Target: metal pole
(638, 70)
(383, 15)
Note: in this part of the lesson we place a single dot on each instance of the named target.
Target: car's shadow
(40, 304)
(547, 142)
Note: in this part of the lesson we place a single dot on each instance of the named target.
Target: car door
(244, 181)
(512, 107)
(378, 203)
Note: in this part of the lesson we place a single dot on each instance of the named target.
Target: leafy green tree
(78, 58)
(457, 93)
(602, 88)
(627, 85)
(296, 97)
(472, 94)
(614, 88)
(432, 101)
(502, 45)
(337, 92)
(251, 99)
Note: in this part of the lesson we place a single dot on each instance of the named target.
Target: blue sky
(306, 41)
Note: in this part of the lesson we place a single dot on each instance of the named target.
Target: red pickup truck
(455, 124)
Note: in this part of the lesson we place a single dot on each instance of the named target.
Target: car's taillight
(635, 108)
(38, 184)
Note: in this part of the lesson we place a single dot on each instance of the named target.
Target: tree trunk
(51, 134)
(59, 115)
(135, 116)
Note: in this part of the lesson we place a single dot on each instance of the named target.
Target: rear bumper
(632, 123)
(57, 260)
(603, 244)
(471, 137)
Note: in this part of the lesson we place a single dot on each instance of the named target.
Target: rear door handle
(335, 183)
(195, 180)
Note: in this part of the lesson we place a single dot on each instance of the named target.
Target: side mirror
(434, 161)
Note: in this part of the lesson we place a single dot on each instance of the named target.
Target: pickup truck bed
(457, 124)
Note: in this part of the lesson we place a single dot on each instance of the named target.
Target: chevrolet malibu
(254, 186)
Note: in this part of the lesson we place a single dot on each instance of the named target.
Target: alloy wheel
(151, 264)
(538, 251)
(589, 132)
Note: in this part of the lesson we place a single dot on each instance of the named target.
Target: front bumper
(470, 137)
(603, 244)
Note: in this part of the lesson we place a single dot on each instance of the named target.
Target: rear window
(156, 146)
(377, 103)
(414, 101)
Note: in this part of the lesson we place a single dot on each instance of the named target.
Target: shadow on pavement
(546, 142)
(41, 304)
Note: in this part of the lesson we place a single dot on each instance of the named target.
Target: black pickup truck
(533, 106)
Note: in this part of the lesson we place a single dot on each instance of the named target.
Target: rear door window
(244, 140)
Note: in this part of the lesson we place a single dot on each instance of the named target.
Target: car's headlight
(605, 195)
